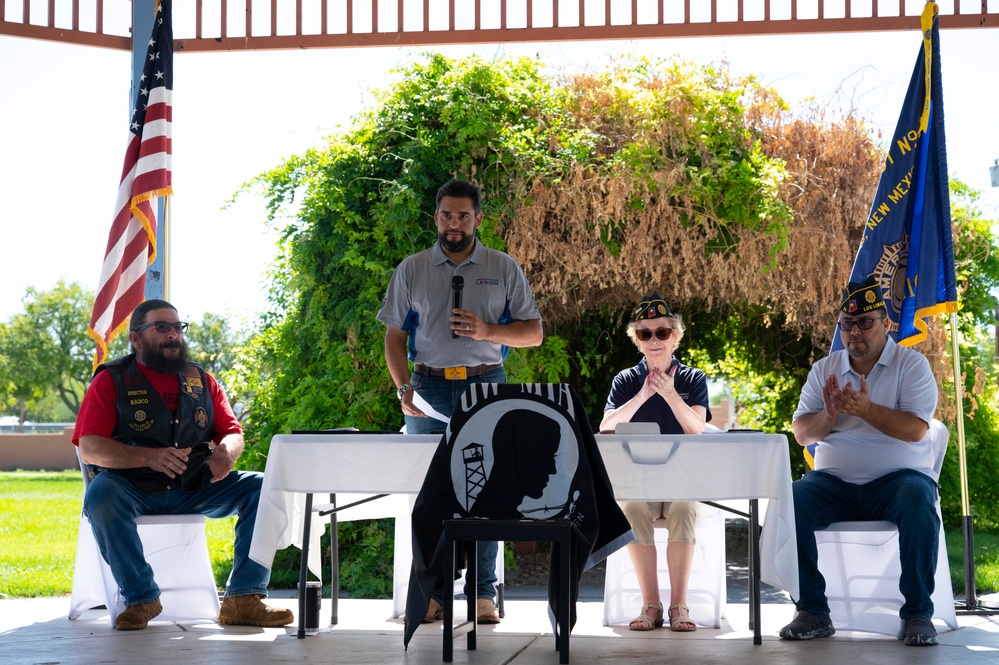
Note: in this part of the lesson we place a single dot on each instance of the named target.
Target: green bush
(366, 554)
(982, 459)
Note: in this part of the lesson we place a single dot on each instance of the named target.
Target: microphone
(457, 284)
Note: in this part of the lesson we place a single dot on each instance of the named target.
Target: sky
(64, 112)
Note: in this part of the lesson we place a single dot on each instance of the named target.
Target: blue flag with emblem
(907, 244)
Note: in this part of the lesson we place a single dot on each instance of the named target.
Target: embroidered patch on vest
(192, 382)
(131, 378)
(140, 424)
(200, 418)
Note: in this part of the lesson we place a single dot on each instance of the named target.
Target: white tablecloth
(711, 466)
(714, 466)
(358, 464)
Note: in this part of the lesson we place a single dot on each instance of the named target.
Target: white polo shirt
(419, 301)
(855, 451)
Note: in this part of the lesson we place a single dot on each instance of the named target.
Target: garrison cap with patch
(652, 307)
(862, 297)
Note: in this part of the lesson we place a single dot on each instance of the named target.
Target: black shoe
(919, 632)
(807, 627)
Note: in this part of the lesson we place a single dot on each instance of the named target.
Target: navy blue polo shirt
(691, 384)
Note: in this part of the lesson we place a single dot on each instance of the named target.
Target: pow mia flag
(514, 451)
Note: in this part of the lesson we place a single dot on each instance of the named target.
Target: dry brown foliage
(832, 161)
(832, 172)
(833, 169)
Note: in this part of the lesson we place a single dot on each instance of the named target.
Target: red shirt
(99, 410)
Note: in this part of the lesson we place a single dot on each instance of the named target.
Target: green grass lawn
(986, 561)
(39, 522)
(40, 519)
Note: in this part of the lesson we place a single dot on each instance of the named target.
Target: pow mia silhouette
(514, 458)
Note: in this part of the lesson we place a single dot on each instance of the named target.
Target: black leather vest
(143, 419)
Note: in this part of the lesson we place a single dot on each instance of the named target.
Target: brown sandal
(680, 623)
(644, 622)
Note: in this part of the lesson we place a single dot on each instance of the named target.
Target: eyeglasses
(846, 325)
(165, 326)
(645, 334)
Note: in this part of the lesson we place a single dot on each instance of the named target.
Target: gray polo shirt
(419, 301)
(855, 451)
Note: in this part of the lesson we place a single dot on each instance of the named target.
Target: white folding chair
(706, 586)
(176, 548)
(860, 563)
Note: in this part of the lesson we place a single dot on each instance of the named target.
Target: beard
(456, 247)
(858, 349)
(156, 360)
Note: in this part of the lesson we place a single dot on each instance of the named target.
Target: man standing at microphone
(454, 310)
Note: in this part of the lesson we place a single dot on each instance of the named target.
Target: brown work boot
(435, 612)
(486, 611)
(137, 617)
(251, 611)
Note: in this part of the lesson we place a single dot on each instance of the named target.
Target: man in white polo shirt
(453, 347)
(868, 408)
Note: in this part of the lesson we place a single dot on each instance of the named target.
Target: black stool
(472, 530)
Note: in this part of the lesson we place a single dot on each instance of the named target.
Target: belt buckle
(455, 373)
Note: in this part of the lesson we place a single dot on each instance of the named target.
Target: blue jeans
(907, 498)
(443, 395)
(112, 503)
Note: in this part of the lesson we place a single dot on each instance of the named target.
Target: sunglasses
(165, 326)
(661, 334)
(864, 324)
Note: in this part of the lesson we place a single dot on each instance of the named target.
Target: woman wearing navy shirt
(662, 390)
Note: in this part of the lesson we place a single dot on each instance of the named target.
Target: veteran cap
(652, 307)
(862, 297)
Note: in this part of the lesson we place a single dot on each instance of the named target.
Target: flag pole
(167, 256)
(970, 599)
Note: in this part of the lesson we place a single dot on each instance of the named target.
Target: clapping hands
(846, 400)
(661, 383)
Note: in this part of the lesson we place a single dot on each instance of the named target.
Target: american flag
(145, 176)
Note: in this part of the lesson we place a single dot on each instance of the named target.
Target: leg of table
(449, 546)
(754, 569)
(303, 567)
(335, 566)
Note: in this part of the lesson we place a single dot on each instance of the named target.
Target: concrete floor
(37, 631)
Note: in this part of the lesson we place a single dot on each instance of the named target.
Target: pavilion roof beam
(375, 23)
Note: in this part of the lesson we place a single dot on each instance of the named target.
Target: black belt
(420, 368)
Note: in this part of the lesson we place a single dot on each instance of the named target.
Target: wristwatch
(402, 389)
